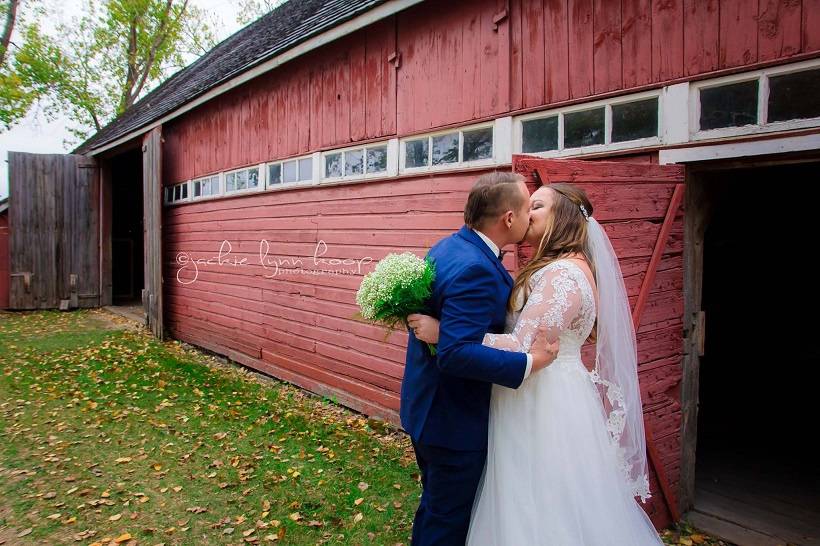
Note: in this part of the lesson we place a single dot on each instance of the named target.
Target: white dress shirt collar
(489, 242)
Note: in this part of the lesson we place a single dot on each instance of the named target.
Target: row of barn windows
(724, 106)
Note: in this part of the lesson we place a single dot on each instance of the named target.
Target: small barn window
(416, 153)
(731, 105)
(355, 163)
(242, 180)
(610, 124)
(377, 159)
(794, 96)
(177, 192)
(206, 187)
(777, 98)
(445, 149)
(290, 171)
(540, 135)
(635, 120)
(449, 149)
(584, 128)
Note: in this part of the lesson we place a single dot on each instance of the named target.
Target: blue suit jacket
(445, 400)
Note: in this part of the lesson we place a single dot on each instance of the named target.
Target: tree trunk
(11, 16)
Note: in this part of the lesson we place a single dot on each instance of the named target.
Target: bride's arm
(554, 300)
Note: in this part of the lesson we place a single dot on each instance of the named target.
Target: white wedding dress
(553, 475)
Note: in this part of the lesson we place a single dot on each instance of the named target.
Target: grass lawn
(107, 435)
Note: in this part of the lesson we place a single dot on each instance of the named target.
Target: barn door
(54, 223)
(639, 206)
(152, 225)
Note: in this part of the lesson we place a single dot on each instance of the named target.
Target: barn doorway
(757, 479)
(127, 240)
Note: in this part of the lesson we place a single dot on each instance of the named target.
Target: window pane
(253, 178)
(377, 159)
(584, 128)
(729, 105)
(289, 169)
(354, 163)
(177, 192)
(208, 187)
(274, 174)
(169, 194)
(635, 120)
(185, 191)
(306, 169)
(539, 135)
(416, 152)
(333, 165)
(794, 96)
(478, 144)
(197, 188)
(445, 149)
(230, 182)
(241, 180)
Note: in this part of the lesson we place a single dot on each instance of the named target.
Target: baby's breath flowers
(399, 286)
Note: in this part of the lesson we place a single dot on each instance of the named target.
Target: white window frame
(220, 190)
(281, 162)
(173, 201)
(460, 164)
(366, 175)
(608, 145)
(259, 187)
(762, 126)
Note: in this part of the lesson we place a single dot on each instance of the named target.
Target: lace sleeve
(554, 300)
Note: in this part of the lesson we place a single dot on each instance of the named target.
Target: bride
(566, 454)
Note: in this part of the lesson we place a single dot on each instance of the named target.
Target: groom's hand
(543, 352)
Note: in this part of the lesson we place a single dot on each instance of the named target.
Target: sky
(37, 135)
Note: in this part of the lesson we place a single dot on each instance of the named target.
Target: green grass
(105, 432)
(97, 422)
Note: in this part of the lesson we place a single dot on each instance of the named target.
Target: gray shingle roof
(285, 27)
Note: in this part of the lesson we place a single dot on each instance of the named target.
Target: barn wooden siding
(4, 260)
(454, 68)
(301, 327)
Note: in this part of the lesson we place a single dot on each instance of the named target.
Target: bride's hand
(424, 327)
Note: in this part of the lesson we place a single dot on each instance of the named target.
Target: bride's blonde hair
(565, 234)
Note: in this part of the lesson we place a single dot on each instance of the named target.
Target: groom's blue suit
(445, 400)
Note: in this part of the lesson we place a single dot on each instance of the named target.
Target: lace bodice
(560, 298)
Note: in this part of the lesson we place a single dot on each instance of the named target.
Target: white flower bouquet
(399, 286)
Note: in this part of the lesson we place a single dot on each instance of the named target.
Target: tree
(251, 10)
(101, 63)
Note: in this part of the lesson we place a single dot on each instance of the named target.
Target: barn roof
(280, 30)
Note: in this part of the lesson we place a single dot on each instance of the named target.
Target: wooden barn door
(639, 205)
(152, 215)
(54, 220)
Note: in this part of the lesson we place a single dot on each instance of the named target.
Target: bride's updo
(565, 234)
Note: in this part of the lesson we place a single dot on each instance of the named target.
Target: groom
(445, 399)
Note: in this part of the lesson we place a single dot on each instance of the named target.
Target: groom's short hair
(491, 196)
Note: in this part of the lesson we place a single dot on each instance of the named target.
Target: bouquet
(399, 286)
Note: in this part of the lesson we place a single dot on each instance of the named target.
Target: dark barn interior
(127, 273)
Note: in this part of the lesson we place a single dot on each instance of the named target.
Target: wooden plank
(581, 40)
(358, 97)
(516, 54)
(533, 53)
(556, 51)
(152, 214)
(701, 47)
(738, 33)
(667, 40)
(779, 29)
(636, 39)
(606, 46)
(811, 26)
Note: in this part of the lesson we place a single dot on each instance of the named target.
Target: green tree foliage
(100, 63)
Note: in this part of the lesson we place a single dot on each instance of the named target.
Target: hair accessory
(584, 211)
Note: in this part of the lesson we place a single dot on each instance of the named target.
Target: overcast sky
(36, 135)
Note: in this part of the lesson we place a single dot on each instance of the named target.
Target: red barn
(243, 199)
